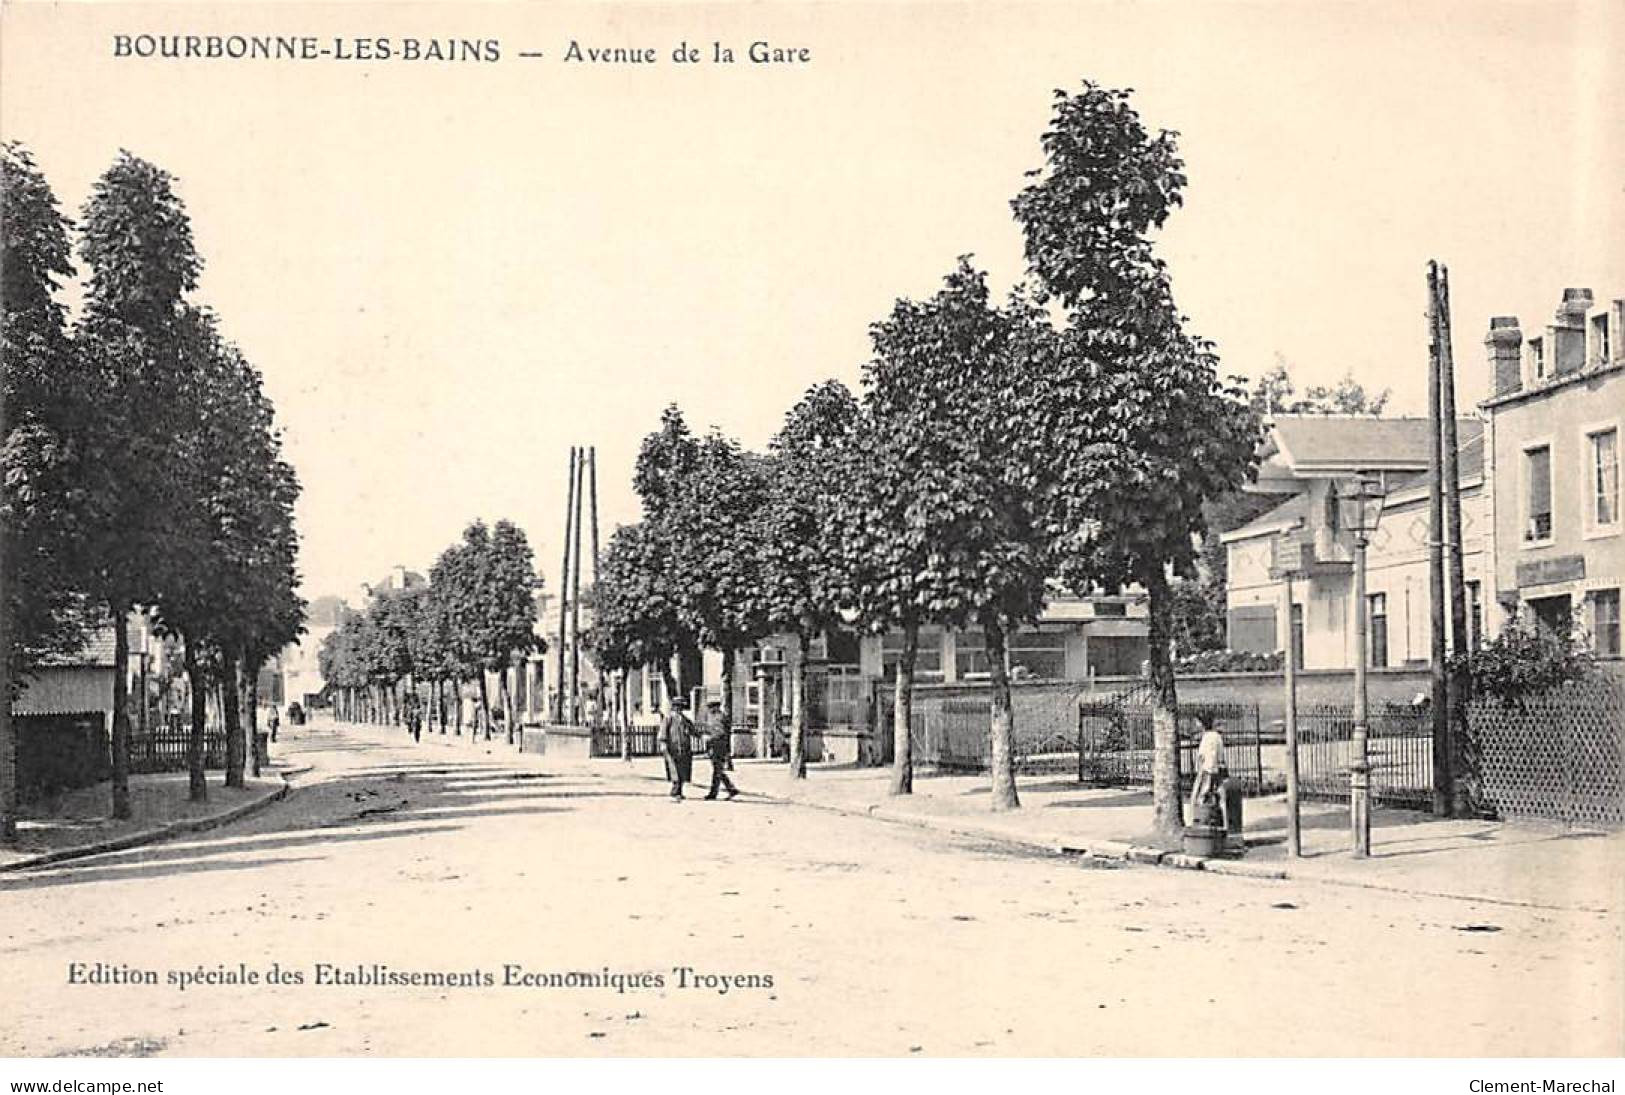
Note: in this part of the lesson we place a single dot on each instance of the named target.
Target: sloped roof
(1469, 459)
(1293, 509)
(98, 651)
(1311, 443)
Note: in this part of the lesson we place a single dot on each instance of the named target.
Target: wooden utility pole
(592, 469)
(1439, 710)
(564, 582)
(1455, 690)
(575, 602)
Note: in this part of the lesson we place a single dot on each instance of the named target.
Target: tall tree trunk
(229, 693)
(506, 697)
(8, 731)
(197, 786)
(798, 711)
(902, 765)
(121, 709)
(730, 657)
(1001, 735)
(252, 678)
(457, 703)
(485, 707)
(669, 679)
(1168, 816)
(623, 712)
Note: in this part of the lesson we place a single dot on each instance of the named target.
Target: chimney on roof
(1505, 345)
(397, 577)
(1568, 341)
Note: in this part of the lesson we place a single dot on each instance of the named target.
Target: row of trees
(1068, 436)
(476, 615)
(143, 465)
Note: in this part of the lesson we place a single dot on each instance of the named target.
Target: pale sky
(451, 272)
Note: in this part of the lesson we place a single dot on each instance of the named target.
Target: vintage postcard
(824, 530)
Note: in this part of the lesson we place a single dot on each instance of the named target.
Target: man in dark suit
(718, 746)
(675, 746)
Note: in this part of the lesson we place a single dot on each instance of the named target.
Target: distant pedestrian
(271, 721)
(676, 747)
(718, 747)
(414, 717)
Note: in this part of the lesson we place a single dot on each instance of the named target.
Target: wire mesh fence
(1559, 755)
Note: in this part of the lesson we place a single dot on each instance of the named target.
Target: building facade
(1316, 459)
(1552, 430)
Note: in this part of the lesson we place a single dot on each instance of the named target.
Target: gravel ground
(802, 932)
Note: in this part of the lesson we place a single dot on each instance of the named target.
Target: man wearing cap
(675, 746)
(717, 748)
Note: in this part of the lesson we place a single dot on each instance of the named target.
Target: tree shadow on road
(382, 804)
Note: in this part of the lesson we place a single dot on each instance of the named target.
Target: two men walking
(675, 740)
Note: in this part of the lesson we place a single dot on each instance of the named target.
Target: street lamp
(1363, 499)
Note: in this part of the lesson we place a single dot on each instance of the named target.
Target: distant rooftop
(1306, 446)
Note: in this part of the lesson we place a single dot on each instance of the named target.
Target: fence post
(1080, 743)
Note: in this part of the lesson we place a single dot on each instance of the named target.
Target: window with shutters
(1537, 478)
(1602, 467)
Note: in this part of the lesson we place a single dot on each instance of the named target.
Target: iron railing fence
(1116, 743)
(163, 748)
(1399, 748)
(607, 741)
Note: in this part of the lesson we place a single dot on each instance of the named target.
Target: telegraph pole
(575, 601)
(1439, 709)
(592, 487)
(564, 582)
(1454, 690)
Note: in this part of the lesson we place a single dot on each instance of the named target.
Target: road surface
(440, 900)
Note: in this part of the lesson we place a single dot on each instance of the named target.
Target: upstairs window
(1600, 350)
(1602, 460)
(1537, 477)
(1537, 358)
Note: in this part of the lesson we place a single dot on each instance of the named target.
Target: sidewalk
(79, 823)
(1518, 863)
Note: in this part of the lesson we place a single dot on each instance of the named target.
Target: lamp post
(1365, 498)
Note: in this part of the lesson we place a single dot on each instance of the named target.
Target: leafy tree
(37, 610)
(132, 414)
(664, 476)
(1274, 393)
(718, 571)
(939, 515)
(228, 584)
(486, 582)
(799, 581)
(1141, 428)
(636, 619)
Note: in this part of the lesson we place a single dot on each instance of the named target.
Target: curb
(154, 836)
(1141, 854)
